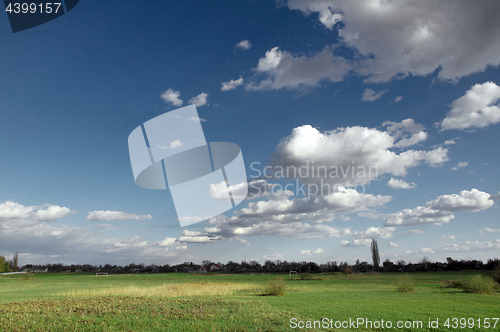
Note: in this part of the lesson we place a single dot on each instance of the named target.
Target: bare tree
(375, 255)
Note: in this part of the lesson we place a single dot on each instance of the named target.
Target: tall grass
(165, 290)
(476, 284)
(276, 287)
(405, 284)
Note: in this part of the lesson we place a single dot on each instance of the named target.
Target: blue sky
(406, 87)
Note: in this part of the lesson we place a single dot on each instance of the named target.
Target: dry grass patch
(165, 290)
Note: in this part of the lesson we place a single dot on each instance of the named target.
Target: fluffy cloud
(375, 232)
(370, 95)
(313, 252)
(470, 246)
(33, 236)
(115, 216)
(392, 244)
(488, 230)
(173, 97)
(356, 243)
(477, 108)
(281, 69)
(414, 139)
(199, 100)
(460, 165)
(349, 156)
(47, 212)
(231, 228)
(441, 209)
(447, 237)
(244, 45)
(400, 184)
(413, 36)
(232, 84)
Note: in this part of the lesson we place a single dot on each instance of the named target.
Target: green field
(235, 302)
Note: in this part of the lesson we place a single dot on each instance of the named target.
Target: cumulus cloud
(282, 69)
(488, 230)
(48, 241)
(392, 244)
(470, 246)
(232, 84)
(356, 243)
(47, 212)
(460, 165)
(168, 241)
(414, 139)
(447, 237)
(349, 156)
(115, 216)
(172, 97)
(244, 45)
(370, 95)
(375, 232)
(479, 108)
(312, 252)
(400, 184)
(449, 142)
(199, 100)
(441, 209)
(413, 36)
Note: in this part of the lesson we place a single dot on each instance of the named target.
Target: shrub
(276, 287)
(496, 274)
(405, 284)
(348, 270)
(306, 276)
(478, 284)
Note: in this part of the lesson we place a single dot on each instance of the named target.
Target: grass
(276, 287)
(405, 284)
(61, 302)
(165, 290)
(479, 284)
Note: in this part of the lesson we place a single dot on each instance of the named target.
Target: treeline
(268, 267)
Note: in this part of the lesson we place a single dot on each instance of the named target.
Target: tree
(375, 255)
(4, 265)
(15, 260)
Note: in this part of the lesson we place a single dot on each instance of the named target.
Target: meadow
(239, 302)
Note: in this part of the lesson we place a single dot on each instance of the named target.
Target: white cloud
(352, 155)
(244, 45)
(398, 99)
(413, 231)
(281, 69)
(46, 212)
(232, 84)
(173, 97)
(392, 244)
(313, 252)
(460, 165)
(403, 129)
(477, 108)
(175, 144)
(470, 246)
(400, 184)
(488, 230)
(195, 119)
(414, 139)
(243, 242)
(115, 216)
(449, 142)
(440, 210)
(356, 243)
(375, 232)
(370, 95)
(106, 227)
(168, 241)
(69, 244)
(199, 100)
(413, 36)
(447, 237)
